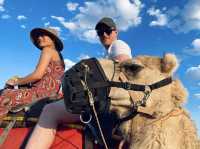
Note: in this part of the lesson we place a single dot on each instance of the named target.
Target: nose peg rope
(91, 101)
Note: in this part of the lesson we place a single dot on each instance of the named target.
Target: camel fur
(169, 126)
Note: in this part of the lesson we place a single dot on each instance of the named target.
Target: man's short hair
(106, 21)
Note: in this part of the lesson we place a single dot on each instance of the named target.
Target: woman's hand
(12, 81)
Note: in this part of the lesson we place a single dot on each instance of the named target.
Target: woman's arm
(39, 71)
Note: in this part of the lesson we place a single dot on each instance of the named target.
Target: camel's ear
(169, 63)
(179, 93)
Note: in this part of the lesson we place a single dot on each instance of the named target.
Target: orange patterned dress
(47, 87)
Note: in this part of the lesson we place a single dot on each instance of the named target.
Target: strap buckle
(147, 92)
(127, 86)
(147, 89)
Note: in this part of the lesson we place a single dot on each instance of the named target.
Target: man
(116, 49)
(55, 113)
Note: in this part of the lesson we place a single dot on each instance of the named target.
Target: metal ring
(85, 122)
(147, 89)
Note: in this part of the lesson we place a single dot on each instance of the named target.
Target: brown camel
(163, 123)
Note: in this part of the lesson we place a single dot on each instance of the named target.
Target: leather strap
(140, 109)
(139, 87)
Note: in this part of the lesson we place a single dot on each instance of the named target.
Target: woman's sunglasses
(41, 34)
(101, 32)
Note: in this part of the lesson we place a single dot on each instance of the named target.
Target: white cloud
(193, 73)
(58, 29)
(23, 26)
(90, 35)
(178, 19)
(1, 2)
(72, 6)
(69, 25)
(43, 18)
(68, 63)
(126, 14)
(5, 16)
(2, 8)
(195, 48)
(197, 95)
(196, 43)
(83, 56)
(191, 15)
(61, 19)
(46, 24)
(184, 19)
(21, 17)
(1, 5)
(161, 18)
(174, 11)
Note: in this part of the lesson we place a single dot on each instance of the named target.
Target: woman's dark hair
(61, 57)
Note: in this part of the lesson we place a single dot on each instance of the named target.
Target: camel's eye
(133, 68)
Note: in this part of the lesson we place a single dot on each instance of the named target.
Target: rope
(175, 112)
(91, 101)
(6, 131)
(96, 117)
(102, 136)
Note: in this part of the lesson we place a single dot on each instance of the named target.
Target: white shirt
(118, 47)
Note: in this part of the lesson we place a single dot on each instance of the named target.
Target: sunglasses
(101, 32)
(40, 35)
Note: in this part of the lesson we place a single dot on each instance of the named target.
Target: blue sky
(150, 27)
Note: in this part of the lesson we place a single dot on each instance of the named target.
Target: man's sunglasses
(101, 32)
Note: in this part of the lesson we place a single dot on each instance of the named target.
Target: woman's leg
(44, 132)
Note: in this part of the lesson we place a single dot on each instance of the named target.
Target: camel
(162, 123)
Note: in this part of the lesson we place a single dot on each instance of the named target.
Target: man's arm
(121, 57)
(120, 51)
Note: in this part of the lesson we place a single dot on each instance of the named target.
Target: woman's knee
(57, 112)
(49, 117)
(50, 110)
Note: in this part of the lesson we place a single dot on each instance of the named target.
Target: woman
(44, 81)
(55, 113)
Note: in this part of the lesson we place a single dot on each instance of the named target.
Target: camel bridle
(77, 82)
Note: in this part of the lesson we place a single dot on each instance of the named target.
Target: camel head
(159, 121)
(146, 70)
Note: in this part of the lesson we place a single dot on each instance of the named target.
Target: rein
(91, 102)
(138, 106)
(173, 113)
(147, 89)
(139, 87)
